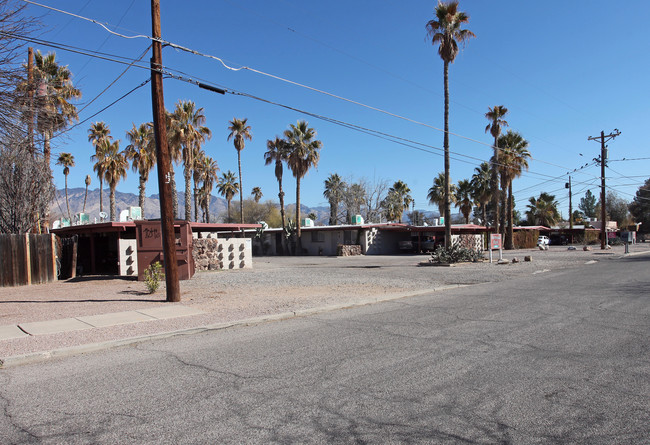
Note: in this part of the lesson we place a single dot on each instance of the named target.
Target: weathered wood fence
(27, 259)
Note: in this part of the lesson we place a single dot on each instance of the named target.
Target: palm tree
(277, 152)
(67, 161)
(464, 199)
(514, 162)
(543, 210)
(115, 166)
(142, 154)
(87, 181)
(190, 134)
(495, 116)
(239, 132)
(99, 135)
(334, 191)
(257, 194)
(227, 187)
(445, 31)
(207, 169)
(437, 194)
(404, 199)
(197, 176)
(304, 153)
(481, 180)
(393, 205)
(54, 90)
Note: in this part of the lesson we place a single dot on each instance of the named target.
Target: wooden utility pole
(163, 160)
(568, 185)
(603, 162)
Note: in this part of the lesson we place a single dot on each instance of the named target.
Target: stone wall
(226, 253)
(348, 250)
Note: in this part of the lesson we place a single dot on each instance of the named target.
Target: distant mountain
(218, 205)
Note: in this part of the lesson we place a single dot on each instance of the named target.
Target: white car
(542, 241)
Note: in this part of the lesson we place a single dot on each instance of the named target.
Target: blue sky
(565, 72)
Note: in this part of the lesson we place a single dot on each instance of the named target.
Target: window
(317, 236)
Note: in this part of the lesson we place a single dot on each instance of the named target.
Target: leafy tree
(436, 193)
(543, 210)
(404, 199)
(142, 153)
(495, 116)
(189, 133)
(588, 205)
(464, 199)
(276, 153)
(617, 209)
(334, 193)
(481, 189)
(514, 161)
(304, 153)
(228, 187)
(66, 160)
(115, 166)
(239, 132)
(53, 96)
(640, 206)
(99, 135)
(354, 198)
(257, 194)
(445, 31)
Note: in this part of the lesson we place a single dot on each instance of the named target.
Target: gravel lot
(275, 285)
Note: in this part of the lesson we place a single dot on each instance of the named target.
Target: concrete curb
(35, 357)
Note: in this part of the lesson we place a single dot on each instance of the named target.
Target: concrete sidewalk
(95, 321)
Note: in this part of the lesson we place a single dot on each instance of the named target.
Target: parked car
(543, 241)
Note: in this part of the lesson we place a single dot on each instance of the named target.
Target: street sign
(495, 241)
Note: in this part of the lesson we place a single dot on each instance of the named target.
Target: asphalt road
(555, 357)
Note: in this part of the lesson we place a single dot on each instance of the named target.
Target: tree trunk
(484, 213)
(172, 180)
(333, 212)
(207, 209)
(188, 193)
(446, 147)
(67, 203)
(298, 231)
(101, 195)
(510, 233)
(281, 196)
(241, 191)
(112, 199)
(196, 201)
(141, 194)
(229, 220)
(495, 186)
(85, 196)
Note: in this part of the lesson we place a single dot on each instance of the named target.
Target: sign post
(496, 244)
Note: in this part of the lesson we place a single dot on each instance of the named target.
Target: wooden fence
(27, 259)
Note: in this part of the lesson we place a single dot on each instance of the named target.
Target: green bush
(152, 276)
(456, 254)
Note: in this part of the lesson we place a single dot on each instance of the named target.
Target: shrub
(152, 276)
(525, 239)
(456, 254)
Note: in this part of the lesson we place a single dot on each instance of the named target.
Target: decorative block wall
(222, 253)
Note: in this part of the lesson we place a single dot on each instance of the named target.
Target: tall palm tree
(393, 205)
(227, 187)
(189, 134)
(54, 91)
(257, 194)
(277, 153)
(197, 175)
(481, 186)
(495, 116)
(239, 132)
(514, 162)
(67, 161)
(115, 166)
(99, 135)
(403, 193)
(464, 198)
(304, 153)
(142, 154)
(445, 31)
(207, 169)
(334, 191)
(87, 181)
(437, 194)
(543, 210)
